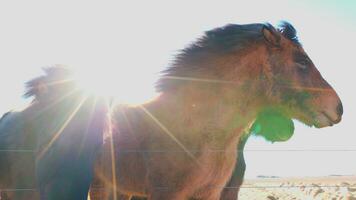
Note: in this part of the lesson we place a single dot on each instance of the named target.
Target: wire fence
(244, 186)
(222, 187)
(193, 151)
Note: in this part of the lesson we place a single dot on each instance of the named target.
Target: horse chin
(323, 120)
(318, 120)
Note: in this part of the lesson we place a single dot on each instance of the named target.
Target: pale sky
(131, 41)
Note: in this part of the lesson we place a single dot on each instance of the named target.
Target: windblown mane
(224, 39)
(53, 75)
(214, 43)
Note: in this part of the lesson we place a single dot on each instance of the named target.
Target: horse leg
(99, 194)
(138, 198)
(4, 196)
(161, 196)
(232, 188)
(106, 193)
(123, 197)
(167, 194)
(207, 193)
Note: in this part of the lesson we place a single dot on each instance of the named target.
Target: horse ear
(271, 35)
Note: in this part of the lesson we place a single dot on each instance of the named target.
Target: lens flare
(125, 86)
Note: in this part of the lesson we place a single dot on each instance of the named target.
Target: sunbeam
(55, 102)
(198, 79)
(315, 89)
(58, 133)
(169, 133)
(112, 154)
(60, 82)
(115, 82)
(92, 109)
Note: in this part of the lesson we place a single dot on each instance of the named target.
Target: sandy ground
(319, 188)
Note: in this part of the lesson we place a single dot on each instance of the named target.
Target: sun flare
(125, 86)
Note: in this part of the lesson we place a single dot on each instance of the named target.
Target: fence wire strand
(212, 151)
(217, 150)
(242, 187)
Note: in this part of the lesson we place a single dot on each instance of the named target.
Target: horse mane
(52, 75)
(213, 43)
(226, 38)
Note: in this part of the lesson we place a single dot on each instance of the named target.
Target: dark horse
(182, 145)
(51, 145)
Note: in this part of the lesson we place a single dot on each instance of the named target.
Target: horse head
(55, 84)
(295, 84)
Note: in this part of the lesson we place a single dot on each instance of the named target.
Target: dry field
(318, 188)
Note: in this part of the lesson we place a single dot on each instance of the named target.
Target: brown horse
(182, 145)
(48, 148)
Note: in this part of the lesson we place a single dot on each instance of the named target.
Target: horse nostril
(339, 109)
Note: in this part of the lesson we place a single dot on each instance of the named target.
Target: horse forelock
(288, 31)
(52, 75)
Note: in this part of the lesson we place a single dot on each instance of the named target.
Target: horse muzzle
(329, 117)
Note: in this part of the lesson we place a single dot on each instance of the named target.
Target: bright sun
(124, 85)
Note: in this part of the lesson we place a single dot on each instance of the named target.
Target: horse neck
(202, 116)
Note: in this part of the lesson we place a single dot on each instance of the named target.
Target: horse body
(183, 144)
(17, 161)
(63, 129)
(149, 163)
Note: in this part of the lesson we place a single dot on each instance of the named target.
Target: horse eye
(303, 64)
